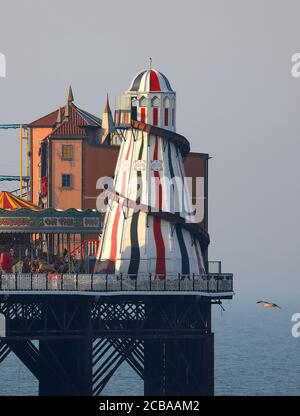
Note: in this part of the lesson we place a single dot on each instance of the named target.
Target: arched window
(155, 116)
(143, 114)
(143, 102)
(167, 102)
(172, 114)
(155, 104)
(134, 105)
(166, 110)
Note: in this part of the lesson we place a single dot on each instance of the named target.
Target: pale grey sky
(229, 62)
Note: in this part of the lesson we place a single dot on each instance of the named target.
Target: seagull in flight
(267, 304)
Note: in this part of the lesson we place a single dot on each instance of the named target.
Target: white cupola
(149, 99)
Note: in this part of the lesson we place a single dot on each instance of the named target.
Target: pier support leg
(153, 367)
(181, 363)
(190, 367)
(179, 367)
(69, 359)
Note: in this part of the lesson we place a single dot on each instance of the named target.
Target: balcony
(211, 284)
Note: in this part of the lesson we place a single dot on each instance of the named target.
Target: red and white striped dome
(150, 80)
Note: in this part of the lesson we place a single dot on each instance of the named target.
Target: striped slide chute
(185, 264)
(135, 249)
(114, 231)
(158, 237)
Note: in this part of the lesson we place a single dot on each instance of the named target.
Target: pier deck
(218, 285)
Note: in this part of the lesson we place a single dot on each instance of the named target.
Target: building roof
(48, 120)
(74, 123)
(68, 129)
(150, 80)
(72, 113)
(91, 120)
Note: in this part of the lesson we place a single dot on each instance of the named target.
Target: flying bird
(267, 304)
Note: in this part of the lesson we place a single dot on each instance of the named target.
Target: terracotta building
(68, 151)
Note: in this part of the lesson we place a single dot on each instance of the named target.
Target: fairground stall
(48, 239)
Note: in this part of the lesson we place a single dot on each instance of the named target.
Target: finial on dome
(150, 63)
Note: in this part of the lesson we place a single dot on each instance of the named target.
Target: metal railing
(221, 282)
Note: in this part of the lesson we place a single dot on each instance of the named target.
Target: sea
(255, 355)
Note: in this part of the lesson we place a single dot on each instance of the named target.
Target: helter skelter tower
(153, 248)
(150, 226)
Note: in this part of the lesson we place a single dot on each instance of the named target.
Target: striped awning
(11, 202)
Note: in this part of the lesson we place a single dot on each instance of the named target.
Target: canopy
(11, 202)
(11, 126)
(13, 178)
(50, 221)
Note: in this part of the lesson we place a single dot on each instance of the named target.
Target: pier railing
(215, 283)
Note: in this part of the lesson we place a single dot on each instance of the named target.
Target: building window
(166, 116)
(155, 116)
(133, 113)
(66, 180)
(173, 117)
(167, 106)
(143, 114)
(67, 152)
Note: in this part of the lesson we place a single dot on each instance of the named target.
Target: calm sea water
(255, 354)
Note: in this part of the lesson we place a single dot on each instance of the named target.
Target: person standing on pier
(7, 261)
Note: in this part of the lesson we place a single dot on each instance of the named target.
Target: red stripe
(128, 150)
(154, 81)
(160, 248)
(155, 116)
(6, 202)
(114, 231)
(143, 114)
(159, 241)
(158, 190)
(166, 116)
(114, 235)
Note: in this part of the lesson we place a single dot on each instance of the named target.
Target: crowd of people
(34, 263)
